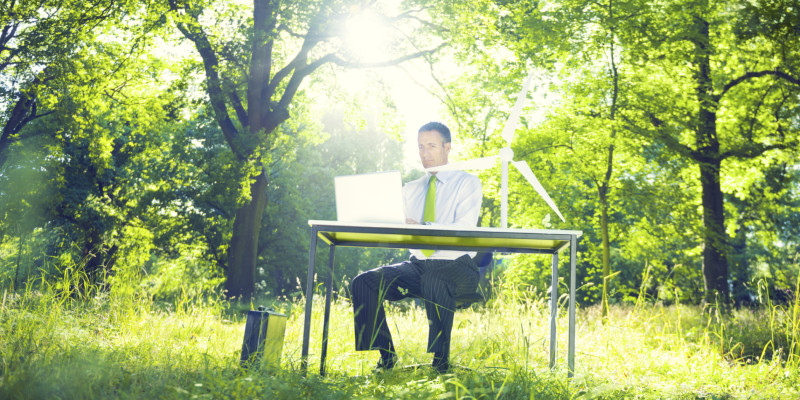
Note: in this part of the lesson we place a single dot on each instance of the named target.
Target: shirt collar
(442, 176)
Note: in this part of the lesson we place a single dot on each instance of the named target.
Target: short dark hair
(438, 127)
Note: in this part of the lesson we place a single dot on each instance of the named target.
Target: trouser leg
(368, 291)
(441, 283)
(439, 307)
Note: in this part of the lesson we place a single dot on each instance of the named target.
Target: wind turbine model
(506, 155)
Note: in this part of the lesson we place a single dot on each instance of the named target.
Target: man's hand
(411, 221)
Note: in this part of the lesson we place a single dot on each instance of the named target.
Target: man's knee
(357, 283)
(363, 281)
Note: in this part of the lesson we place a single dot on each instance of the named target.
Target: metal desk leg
(553, 310)
(312, 253)
(328, 295)
(573, 244)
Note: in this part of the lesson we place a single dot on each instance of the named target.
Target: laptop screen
(371, 198)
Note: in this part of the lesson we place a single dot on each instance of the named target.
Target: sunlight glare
(367, 37)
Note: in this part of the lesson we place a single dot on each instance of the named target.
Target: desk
(542, 241)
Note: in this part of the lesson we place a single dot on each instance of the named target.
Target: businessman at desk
(447, 198)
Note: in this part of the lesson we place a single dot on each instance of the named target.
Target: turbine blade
(475, 163)
(513, 118)
(525, 170)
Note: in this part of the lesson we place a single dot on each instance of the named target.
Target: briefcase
(263, 338)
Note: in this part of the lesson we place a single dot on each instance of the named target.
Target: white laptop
(370, 198)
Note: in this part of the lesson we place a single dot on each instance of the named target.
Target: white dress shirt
(458, 203)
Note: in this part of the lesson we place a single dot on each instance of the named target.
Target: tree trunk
(715, 262)
(21, 243)
(606, 252)
(277, 277)
(92, 253)
(709, 159)
(18, 118)
(605, 186)
(243, 251)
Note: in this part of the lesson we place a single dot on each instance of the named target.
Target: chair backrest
(485, 262)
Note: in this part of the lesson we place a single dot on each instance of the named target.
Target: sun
(367, 37)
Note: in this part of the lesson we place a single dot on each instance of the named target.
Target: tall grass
(57, 343)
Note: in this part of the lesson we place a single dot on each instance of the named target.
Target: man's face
(432, 149)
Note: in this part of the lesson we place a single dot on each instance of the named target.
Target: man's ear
(447, 148)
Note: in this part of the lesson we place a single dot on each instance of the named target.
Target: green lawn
(108, 347)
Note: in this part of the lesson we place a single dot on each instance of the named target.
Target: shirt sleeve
(408, 193)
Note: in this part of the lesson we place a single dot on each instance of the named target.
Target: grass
(56, 346)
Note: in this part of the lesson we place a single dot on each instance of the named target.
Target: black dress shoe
(441, 363)
(386, 362)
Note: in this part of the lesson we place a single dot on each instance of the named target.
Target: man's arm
(407, 199)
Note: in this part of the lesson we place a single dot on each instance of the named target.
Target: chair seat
(485, 262)
(464, 301)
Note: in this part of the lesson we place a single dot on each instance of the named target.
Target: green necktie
(429, 214)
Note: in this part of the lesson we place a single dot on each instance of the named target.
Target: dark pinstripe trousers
(437, 282)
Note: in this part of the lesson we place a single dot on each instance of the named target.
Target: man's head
(434, 144)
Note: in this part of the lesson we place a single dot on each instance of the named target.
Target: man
(446, 198)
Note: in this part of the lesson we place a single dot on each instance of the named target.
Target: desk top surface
(443, 237)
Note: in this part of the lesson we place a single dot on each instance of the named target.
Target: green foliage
(124, 170)
(617, 129)
(58, 344)
(87, 188)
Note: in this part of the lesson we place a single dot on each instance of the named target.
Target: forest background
(159, 162)
(166, 149)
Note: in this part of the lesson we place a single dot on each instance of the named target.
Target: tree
(716, 92)
(91, 173)
(68, 121)
(38, 45)
(729, 66)
(254, 66)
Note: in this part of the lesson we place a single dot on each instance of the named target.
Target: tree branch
(24, 111)
(446, 99)
(12, 51)
(298, 62)
(264, 22)
(236, 102)
(355, 64)
(284, 28)
(410, 15)
(195, 33)
(543, 148)
(300, 73)
(755, 149)
(659, 135)
(757, 74)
